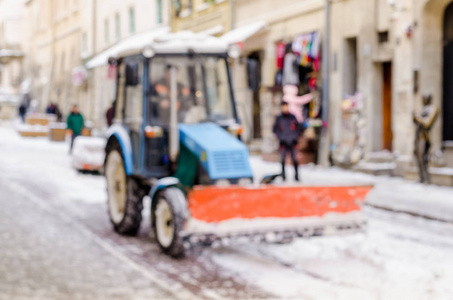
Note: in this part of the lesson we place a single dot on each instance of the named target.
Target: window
(133, 107)
(73, 58)
(62, 66)
(131, 20)
(183, 8)
(383, 37)
(106, 32)
(203, 90)
(134, 91)
(84, 43)
(117, 27)
(159, 11)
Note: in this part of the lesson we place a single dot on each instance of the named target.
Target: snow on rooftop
(136, 42)
(11, 53)
(161, 41)
(242, 33)
(184, 41)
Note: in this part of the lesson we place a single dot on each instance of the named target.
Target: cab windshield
(203, 90)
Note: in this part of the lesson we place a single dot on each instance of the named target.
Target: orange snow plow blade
(292, 211)
(216, 204)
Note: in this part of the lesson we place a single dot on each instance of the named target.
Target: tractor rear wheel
(169, 212)
(125, 195)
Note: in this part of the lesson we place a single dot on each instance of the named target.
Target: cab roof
(161, 41)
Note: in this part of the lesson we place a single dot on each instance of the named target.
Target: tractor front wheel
(169, 212)
(125, 196)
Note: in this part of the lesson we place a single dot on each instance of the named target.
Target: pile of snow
(58, 125)
(50, 117)
(240, 225)
(88, 153)
(32, 128)
(44, 167)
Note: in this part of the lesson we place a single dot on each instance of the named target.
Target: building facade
(383, 56)
(11, 56)
(52, 51)
(213, 17)
(262, 31)
(62, 36)
(110, 23)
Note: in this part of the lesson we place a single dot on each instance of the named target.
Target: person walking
(75, 124)
(287, 129)
(22, 111)
(51, 109)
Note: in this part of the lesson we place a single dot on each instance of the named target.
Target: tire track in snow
(175, 289)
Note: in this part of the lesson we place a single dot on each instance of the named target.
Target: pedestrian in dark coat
(287, 129)
(22, 111)
(75, 124)
(51, 109)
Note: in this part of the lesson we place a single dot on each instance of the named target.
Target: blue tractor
(176, 137)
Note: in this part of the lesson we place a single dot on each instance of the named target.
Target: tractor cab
(176, 80)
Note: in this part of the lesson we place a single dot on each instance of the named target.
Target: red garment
(280, 55)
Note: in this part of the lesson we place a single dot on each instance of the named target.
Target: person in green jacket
(75, 124)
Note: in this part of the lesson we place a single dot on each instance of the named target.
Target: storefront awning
(242, 33)
(138, 41)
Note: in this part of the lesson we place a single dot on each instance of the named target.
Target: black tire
(125, 194)
(172, 201)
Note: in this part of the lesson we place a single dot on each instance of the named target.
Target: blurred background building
(11, 55)
(384, 54)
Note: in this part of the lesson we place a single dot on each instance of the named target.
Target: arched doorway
(448, 75)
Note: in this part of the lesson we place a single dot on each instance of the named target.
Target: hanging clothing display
(315, 45)
(307, 47)
(297, 44)
(290, 70)
(295, 102)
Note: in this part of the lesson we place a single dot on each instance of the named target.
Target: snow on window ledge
(185, 13)
(84, 55)
(203, 6)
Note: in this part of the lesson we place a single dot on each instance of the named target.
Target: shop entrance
(254, 83)
(448, 75)
(387, 134)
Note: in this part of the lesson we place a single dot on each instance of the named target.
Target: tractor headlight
(148, 52)
(223, 183)
(245, 182)
(235, 130)
(152, 132)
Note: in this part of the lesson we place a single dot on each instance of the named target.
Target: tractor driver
(161, 95)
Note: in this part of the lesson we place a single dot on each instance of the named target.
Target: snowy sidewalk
(392, 193)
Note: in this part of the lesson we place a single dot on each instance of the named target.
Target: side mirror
(132, 74)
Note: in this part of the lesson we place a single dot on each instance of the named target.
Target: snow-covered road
(399, 257)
